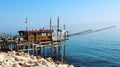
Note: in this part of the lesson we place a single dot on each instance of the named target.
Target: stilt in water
(0, 46)
(44, 51)
(48, 51)
(11, 46)
(39, 51)
(53, 51)
(60, 48)
(36, 51)
(33, 48)
(64, 52)
(60, 51)
(28, 45)
(17, 46)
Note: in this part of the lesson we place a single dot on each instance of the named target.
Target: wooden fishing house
(36, 35)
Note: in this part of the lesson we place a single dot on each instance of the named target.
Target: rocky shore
(21, 59)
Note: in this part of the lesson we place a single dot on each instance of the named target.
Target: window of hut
(43, 34)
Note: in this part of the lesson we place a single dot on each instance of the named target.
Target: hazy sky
(76, 14)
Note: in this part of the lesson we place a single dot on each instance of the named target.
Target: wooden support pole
(60, 47)
(28, 47)
(53, 51)
(60, 51)
(39, 50)
(33, 47)
(17, 46)
(24, 48)
(64, 52)
(43, 52)
(36, 50)
(64, 48)
(48, 51)
(0, 46)
(11, 46)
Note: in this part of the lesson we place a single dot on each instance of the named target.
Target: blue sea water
(100, 49)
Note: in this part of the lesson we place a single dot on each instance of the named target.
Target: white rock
(71, 66)
(1, 57)
(63, 65)
(53, 65)
(15, 65)
(42, 65)
(11, 59)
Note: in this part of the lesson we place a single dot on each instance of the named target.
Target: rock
(49, 59)
(38, 57)
(29, 64)
(32, 57)
(62, 65)
(26, 55)
(53, 65)
(14, 65)
(70, 66)
(57, 62)
(18, 54)
(1, 58)
(22, 53)
(36, 64)
(43, 62)
(0, 62)
(21, 64)
(16, 59)
(42, 66)
(21, 59)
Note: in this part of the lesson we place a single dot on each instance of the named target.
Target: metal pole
(26, 21)
(58, 24)
(50, 23)
(64, 27)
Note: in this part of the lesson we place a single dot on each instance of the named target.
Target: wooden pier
(45, 42)
(43, 48)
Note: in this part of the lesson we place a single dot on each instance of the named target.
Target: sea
(99, 49)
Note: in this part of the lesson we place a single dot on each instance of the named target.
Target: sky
(78, 15)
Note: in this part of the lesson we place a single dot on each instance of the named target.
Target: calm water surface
(100, 49)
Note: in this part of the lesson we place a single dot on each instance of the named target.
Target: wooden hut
(36, 35)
